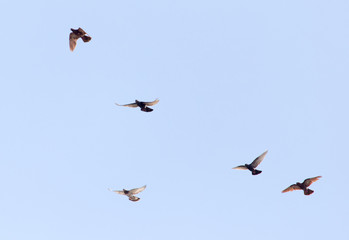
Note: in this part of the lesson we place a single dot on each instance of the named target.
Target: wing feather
(133, 105)
(292, 188)
(82, 31)
(241, 167)
(307, 182)
(152, 103)
(117, 191)
(137, 190)
(258, 160)
(72, 41)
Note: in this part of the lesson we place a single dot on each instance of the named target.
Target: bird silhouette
(143, 105)
(253, 165)
(130, 193)
(303, 186)
(75, 35)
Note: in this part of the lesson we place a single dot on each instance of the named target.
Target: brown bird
(75, 35)
(303, 186)
(143, 105)
(253, 165)
(130, 193)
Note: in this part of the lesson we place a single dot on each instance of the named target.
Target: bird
(303, 186)
(75, 35)
(130, 193)
(143, 105)
(253, 165)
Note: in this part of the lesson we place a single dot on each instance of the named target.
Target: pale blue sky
(234, 78)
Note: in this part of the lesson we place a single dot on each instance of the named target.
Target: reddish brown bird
(253, 165)
(143, 105)
(130, 193)
(75, 35)
(303, 186)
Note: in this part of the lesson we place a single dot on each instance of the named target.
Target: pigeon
(130, 193)
(303, 186)
(253, 165)
(75, 35)
(143, 105)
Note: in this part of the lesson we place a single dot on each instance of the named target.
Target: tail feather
(308, 191)
(256, 172)
(134, 198)
(86, 38)
(147, 109)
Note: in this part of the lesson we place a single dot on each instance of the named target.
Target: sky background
(234, 78)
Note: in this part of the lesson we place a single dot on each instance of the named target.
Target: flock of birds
(144, 106)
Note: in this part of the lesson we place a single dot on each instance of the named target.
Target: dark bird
(143, 105)
(75, 35)
(253, 165)
(130, 193)
(303, 186)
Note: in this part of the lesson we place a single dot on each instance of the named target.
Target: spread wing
(72, 41)
(152, 103)
(307, 182)
(116, 191)
(137, 190)
(241, 167)
(292, 188)
(258, 160)
(133, 105)
(82, 31)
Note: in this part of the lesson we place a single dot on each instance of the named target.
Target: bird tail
(256, 172)
(86, 38)
(308, 191)
(147, 109)
(134, 198)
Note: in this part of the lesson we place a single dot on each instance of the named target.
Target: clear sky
(234, 78)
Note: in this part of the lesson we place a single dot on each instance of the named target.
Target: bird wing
(292, 188)
(258, 160)
(117, 191)
(128, 105)
(307, 182)
(82, 31)
(151, 103)
(241, 167)
(137, 190)
(72, 41)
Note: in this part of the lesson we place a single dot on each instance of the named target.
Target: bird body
(302, 186)
(253, 165)
(130, 193)
(143, 105)
(75, 35)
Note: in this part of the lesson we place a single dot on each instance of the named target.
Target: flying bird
(130, 193)
(75, 35)
(303, 186)
(143, 105)
(253, 165)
